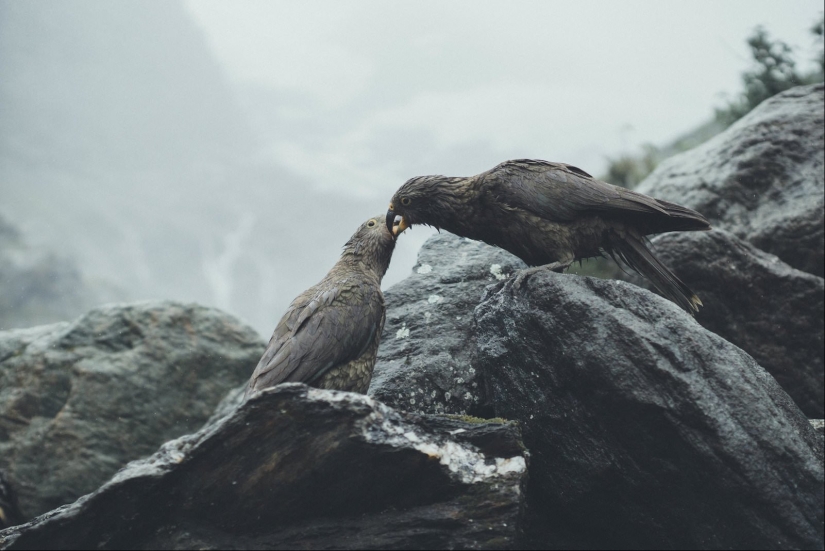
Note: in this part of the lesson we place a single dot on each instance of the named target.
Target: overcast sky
(371, 93)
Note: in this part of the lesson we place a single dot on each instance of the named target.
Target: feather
(335, 323)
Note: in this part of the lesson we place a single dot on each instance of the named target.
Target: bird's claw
(523, 275)
(527, 273)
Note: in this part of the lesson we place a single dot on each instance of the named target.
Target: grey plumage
(550, 213)
(329, 335)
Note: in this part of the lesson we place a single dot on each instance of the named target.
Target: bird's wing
(562, 192)
(324, 327)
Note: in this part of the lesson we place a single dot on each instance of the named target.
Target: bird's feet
(525, 274)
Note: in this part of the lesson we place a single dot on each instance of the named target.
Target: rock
(79, 400)
(299, 467)
(424, 357)
(9, 511)
(229, 403)
(819, 427)
(761, 179)
(759, 303)
(645, 430)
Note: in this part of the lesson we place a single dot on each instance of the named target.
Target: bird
(550, 215)
(328, 337)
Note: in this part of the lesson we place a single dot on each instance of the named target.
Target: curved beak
(396, 223)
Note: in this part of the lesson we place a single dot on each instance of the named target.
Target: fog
(223, 152)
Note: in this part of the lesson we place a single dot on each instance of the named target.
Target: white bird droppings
(424, 269)
(495, 269)
(402, 333)
(434, 299)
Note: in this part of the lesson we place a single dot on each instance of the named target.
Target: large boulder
(79, 400)
(298, 467)
(762, 179)
(759, 303)
(645, 429)
(424, 357)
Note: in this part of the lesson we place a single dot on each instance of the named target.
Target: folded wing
(323, 328)
(564, 193)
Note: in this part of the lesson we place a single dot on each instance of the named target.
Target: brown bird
(549, 213)
(328, 337)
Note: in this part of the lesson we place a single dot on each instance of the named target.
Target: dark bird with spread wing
(328, 337)
(550, 213)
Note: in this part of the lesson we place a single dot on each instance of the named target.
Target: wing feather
(326, 326)
(563, 193)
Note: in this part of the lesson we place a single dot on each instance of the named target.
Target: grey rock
(761, 179)
(424, 356)
(645, 430)
(819, 427)
(299, 467)
(79, 400)
(759, 303)
(9, 511)
(229, 403)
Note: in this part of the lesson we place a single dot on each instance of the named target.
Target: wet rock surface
(297, 467)
(759, 303)
(424, 357)
(79, 400)
(645, 430)
(762, 179)
(10, 514)
(819, 427)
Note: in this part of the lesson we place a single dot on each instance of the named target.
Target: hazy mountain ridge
(82, 85)
(41, 286)
(132, 157)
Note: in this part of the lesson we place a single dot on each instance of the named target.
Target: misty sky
(394, 89)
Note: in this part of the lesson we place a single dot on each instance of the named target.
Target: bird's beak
(396, 223)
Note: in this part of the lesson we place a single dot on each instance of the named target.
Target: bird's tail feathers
(681, 218)
(633, 252)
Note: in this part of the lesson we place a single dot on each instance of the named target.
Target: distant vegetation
(773, 71)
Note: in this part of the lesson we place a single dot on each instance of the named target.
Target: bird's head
(431, 200)
(371, 245)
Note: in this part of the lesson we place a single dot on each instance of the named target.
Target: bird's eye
(371, 224)
(405, 201)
